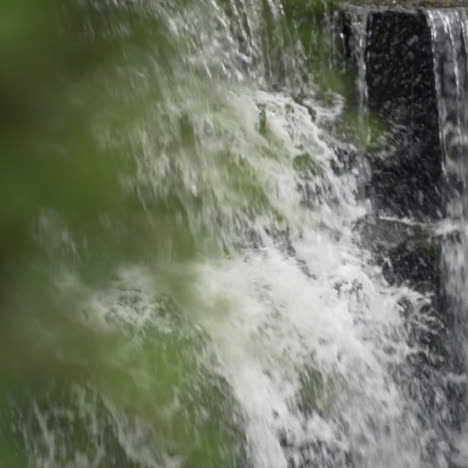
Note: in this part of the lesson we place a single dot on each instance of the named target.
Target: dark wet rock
(346, 158)
(408, 252)
(406, 181)
(401, 90)
(406, 177)
(411, 4)
(408, 191)
(415, 263)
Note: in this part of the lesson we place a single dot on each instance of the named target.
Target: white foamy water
(323, 315)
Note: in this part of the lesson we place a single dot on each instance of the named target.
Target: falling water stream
(450, 48)
(260, 332)
(359, 18)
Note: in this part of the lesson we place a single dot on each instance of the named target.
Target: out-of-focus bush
(60, 179)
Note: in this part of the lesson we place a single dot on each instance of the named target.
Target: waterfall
(359, 17)
(450, 48)
(250, 325)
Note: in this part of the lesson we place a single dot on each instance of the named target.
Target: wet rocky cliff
(401, 90)
(398, 70)
(406, 184)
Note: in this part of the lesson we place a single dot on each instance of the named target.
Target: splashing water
(259, 332)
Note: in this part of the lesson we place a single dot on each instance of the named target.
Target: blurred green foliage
(63, 71)
(51, 56)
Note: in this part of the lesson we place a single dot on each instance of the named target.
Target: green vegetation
(70, 217)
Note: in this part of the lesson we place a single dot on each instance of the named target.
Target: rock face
(401, 89)
(408, 252)
(413, 4)
(407, 182)
(406, 179)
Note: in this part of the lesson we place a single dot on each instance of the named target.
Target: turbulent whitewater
(259, 331)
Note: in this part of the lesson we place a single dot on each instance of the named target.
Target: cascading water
(450, 48)
(359, 17)
(258, 331)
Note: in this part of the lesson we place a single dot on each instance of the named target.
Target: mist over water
(259, 330)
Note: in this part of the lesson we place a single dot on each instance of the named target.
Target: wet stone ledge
(399, 72)
(406, 179)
